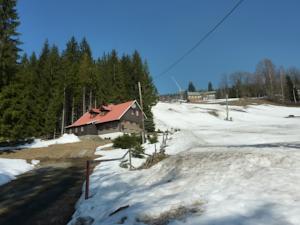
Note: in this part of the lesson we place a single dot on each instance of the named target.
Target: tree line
(192, 88)
(41, 94)
(268, 81)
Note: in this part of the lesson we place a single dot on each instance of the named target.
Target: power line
(201, 40)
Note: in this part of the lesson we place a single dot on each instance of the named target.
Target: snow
(10, 168)
(113, 135)
(38, 143)
(240, 172)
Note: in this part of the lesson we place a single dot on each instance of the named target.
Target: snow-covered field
(240, 172)
(10, 168)
(38, 143)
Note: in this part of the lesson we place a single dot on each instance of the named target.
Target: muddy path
(47, 194)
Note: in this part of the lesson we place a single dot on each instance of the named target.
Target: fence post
(87, 179)
(130, 165)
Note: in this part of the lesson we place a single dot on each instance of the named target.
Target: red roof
(114, 112)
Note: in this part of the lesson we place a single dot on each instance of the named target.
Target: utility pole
(179, 88)
(281, 84)
(63, 114)
(141, 104)
(227, 111)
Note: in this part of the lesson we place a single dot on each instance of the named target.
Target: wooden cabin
(125, 117)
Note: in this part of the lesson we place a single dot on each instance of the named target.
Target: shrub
(153, 138)
(126, 141)
(138, 151)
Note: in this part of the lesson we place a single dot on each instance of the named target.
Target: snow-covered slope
(240, 172)
(38, 143)
(10, 168)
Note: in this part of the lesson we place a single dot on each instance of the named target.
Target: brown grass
(83, 149)
(213, 113)
(177, 213)
(250, 101)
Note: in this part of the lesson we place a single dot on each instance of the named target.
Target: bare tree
(266, 70)
(223, 86)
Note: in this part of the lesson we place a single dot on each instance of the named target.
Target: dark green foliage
(291, 90)
(138, 151)
(127, 141)
(191, 87)
(35, 91)
(210, 86)
(153, 138)
(32, 105)
(8, 41)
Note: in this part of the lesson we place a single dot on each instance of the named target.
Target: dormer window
(93, 113)
(104, 109)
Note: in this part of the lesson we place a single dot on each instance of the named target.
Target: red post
(87, 179)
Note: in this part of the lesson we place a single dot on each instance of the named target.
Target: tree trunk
(83, 101)
(271, 82)
(281, 84)
(63, 114)
(91, 99)
(72, 113)
(294, 94)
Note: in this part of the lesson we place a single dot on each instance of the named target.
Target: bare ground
(48, 194)
(85, 148)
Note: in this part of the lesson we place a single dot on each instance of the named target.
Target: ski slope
(240, 172)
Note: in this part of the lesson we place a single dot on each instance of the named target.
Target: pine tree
(70, 81)
(9, 41)
(191, 87)
(210, 86)
(18, 106)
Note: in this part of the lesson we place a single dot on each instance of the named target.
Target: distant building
(125, 117)
(198, 96)
(175, 97)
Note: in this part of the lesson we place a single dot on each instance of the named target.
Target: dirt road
(48, 194)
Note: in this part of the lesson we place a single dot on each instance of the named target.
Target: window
(76, 129)
(82, 129)
(137, 112)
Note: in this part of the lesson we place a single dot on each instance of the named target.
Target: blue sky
(163, 30)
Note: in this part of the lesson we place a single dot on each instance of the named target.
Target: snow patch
(10, 168)
(38, 143)
(111, 135)
(245, 171)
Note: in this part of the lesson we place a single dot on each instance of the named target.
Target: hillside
(244, 171)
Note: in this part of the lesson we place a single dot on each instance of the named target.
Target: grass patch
(178, 213)
(213, 113)
(153, 159)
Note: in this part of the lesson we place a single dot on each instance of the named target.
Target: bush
(138, 151)
(126, 141)
(153, 138)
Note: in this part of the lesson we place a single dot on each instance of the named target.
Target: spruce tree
(210, 86)
(191, 87)
(9, 41)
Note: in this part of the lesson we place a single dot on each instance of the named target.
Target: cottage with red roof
(125, 117)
